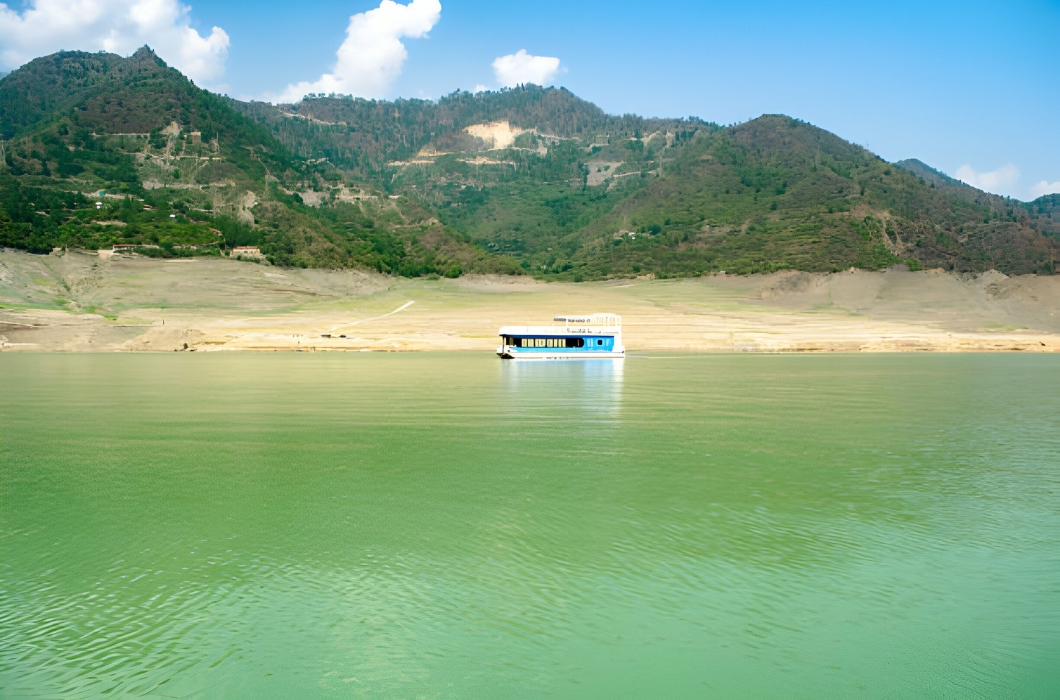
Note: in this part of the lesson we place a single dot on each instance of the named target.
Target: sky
(971, 88)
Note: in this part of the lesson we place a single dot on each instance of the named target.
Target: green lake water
(453, 526)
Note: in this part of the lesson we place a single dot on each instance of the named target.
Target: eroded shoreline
(78, 302)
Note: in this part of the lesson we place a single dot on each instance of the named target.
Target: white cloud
(993, 181)
(117, 26)
(520, 67)
(1043, 188)
(479, 88)
(371, 57)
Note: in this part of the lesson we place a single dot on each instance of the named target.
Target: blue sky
(972, 88)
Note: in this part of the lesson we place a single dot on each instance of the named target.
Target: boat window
(599, 342)
(547, 342)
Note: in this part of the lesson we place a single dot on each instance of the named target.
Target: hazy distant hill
(524, 180)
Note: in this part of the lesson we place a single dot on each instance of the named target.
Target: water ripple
(450, 526)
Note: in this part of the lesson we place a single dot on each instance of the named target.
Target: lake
(453, 526)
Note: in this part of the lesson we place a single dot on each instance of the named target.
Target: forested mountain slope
(105, 150)
(530, 180)
(551, 180)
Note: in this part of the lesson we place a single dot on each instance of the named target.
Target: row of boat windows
(548, 342)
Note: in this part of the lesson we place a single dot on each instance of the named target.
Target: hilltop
(525, 180)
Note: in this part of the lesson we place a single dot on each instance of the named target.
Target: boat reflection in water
(594, 336)
(546, 389)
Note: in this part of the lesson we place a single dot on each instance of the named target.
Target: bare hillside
(79, 301)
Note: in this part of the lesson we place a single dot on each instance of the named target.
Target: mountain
(103, 149)
(524, 180)
(571, 192)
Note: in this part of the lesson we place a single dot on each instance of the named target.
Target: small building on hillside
(246, 251)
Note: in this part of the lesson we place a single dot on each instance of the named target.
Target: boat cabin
(581, 337)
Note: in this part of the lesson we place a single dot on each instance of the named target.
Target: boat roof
(593, 324)
(583, 324)
(591, 319)
(557, 330)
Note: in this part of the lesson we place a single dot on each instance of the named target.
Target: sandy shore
(78, 301)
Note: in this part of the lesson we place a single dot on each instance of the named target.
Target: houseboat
(592, 337)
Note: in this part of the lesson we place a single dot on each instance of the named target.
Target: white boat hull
(539, 356)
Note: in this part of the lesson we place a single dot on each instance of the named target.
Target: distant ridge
(925, 171)
(1040, 210)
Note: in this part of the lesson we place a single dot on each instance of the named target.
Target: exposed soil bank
(77, 301)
